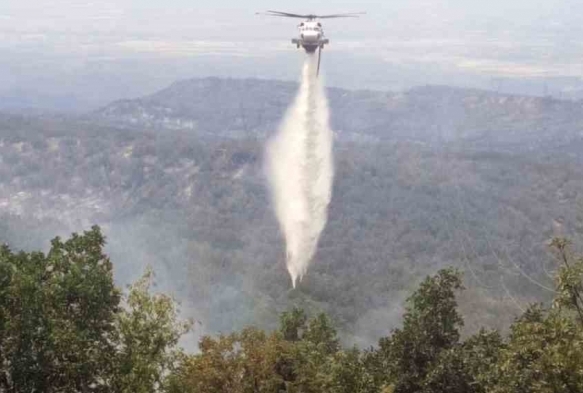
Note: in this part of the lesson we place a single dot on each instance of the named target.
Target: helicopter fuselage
(311, 36)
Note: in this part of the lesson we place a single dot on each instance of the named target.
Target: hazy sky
(208, 18)
(412, 41)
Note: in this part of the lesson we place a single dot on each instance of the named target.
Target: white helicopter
(311, 36)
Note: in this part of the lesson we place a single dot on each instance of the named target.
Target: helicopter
(311, 36)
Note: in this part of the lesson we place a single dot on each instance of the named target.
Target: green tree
(569, 279)
(431, 327)
(292, 324)
(544, 354)
(245, 362)
(482, 352)
(349, 374)
(58, 314)
(148, 330)
(303, 356)
(321, 333)
(62, 328)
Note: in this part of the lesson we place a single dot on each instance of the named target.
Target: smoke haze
(300, 171)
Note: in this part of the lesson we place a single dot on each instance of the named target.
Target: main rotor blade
(350, 15)
(310, 16)
(286, 14)
(281, 16)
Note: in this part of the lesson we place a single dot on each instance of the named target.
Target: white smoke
(300, 171)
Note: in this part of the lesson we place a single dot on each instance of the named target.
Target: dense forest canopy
(65, 327)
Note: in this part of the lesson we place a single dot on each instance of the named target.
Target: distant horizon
(23, 101)
(98, 52)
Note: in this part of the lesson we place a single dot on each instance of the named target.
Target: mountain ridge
(429, 114)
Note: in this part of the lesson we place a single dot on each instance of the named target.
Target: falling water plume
(300, 171)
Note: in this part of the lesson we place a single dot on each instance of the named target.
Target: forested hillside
(420, 185)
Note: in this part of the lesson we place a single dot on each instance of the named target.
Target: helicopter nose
(311, 36)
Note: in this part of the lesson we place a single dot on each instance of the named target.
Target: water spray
(300, 170)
